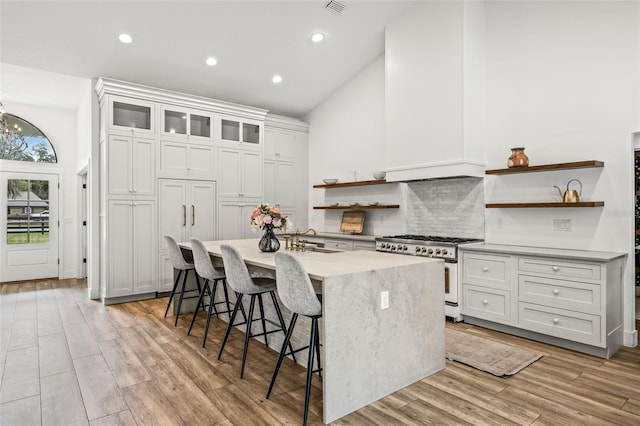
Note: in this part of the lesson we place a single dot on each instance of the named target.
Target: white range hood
(435, 92)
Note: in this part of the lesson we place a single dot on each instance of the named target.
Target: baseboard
(631, 338)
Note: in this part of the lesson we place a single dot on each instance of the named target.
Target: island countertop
(319, 265)
(382, 325)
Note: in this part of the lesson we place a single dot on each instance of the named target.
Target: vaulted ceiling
(251, 40)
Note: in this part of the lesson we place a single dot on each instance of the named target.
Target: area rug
(496, 358)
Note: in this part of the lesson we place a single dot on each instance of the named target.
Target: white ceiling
(252, 41)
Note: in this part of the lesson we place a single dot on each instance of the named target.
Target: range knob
(430, 251)
(404, 248)
(393, 247)
(417, 250)
(437, 251)
(423, 249)
(444, 251)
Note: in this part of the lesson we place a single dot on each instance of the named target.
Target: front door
(28, 226)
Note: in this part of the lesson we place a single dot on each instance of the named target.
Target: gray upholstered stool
(243, 284)
(182, 266)
(206, 271)
(297, 294)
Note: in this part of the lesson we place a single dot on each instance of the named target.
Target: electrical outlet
(562, 224)
(499, 222)
(384, 300)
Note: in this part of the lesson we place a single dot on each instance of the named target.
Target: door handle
(193, 215)
(184, 215)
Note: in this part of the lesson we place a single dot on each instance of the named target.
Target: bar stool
(243, 284)
(297, 294)
(181, 265)
(206, 270)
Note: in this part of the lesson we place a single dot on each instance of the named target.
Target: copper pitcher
(570, 195)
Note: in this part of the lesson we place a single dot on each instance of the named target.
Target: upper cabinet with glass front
(237, 131)
(131, 115)
(186, 122)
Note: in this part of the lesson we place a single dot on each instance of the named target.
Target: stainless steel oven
(445, 248)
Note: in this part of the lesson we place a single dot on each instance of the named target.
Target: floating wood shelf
(543, 205)
(547, 167)
(354, 183)
(363, 207)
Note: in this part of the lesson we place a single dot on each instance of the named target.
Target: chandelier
(11, 138)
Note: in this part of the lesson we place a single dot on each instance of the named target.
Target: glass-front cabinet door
(177, 121)
(131, 114)
(246, 132)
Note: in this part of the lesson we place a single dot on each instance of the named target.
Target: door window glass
(27, 211)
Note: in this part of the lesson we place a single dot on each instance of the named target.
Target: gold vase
(518, 158)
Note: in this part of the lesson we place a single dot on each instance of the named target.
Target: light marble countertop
(319, 265)
(588, 255)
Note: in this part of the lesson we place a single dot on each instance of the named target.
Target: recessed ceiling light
(211, 61)
(317, 37)
(125, 38)
(277, 79)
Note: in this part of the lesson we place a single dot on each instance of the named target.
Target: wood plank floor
(66, 360)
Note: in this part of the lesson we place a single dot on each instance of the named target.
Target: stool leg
(173, 291)
(195, 313)
(213, 297)
(247, 335)
(184, 284)
(264, 324)
(318, 350)
(206, 326)
(283, 350)
(312, 343)
(200, 302)
(226, 294)
(276, 305)
(230, 325)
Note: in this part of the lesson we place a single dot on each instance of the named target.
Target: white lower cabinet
(131, 248)
(234, 219)
(570, 298)
(186, 210)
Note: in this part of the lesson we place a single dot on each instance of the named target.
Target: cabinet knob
(485, 302)
(556, 291)
(555, 269)
(556, 321)
(485, 269)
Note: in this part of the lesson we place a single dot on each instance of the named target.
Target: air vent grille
(335, 6)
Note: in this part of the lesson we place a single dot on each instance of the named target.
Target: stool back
(294, 286)
(202, 261)
(238, 276)
(175, 254)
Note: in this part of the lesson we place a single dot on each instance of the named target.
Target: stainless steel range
(437, 247)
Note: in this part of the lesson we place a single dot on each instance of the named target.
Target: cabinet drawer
(489, 304)
(575, 326)
(339, 244)
(487, 269)
(571, 295)
(589, 271)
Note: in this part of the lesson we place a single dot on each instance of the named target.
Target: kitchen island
(367, 352)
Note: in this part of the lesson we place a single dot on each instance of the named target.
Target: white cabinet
(187, 160)
(279, 143)
(234, 218)
(130, 115)
(571, 298)
(186, 210)
(240, 173)
(193, 124)
(364, 245)
(339, 244)
(130, 165)
(280, 184)
(237, 131)
(131, 248)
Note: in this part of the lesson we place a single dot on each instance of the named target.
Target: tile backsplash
(446, 207)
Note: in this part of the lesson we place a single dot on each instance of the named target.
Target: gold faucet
(310, 230)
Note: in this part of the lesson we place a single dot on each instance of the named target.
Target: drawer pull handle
(555, 269)
(485, 302)
(556, 321)
(556, 291)
(485, 269)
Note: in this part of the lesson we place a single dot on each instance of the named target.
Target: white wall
(563, 81)
(346, 138)
(60, 106)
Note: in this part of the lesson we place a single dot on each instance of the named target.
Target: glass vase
(269, 242)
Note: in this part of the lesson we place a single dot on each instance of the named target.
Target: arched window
(22, 141)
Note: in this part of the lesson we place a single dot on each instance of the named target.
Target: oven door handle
(447, 284)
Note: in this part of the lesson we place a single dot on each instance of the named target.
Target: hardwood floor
(66, 360)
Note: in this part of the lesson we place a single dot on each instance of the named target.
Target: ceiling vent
(334, 6)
